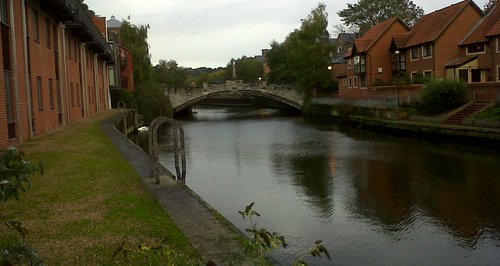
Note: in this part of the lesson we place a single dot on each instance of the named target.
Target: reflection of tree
(309, 171)
(459, 190)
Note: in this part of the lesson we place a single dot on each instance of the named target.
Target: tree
(367, 13)
(171, 74)
(149, 95)
(487, 7)
(134, 38)
(303, 58)
(247, 69)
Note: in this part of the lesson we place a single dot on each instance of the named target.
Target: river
(372, 199)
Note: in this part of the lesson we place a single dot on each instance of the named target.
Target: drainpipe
(67, 115)
(84, 77)
(26, 72)
(63, 81)
(83, 80)
(96, 86)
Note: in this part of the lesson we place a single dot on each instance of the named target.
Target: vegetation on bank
(491, 114)
(89, 203)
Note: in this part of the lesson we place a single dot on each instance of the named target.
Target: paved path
(213, 236)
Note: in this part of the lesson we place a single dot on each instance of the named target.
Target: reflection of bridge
(186, 97)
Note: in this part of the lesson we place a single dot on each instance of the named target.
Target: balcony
(76, 20)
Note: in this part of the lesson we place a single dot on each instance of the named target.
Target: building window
(355, 82)
(498, 44)
(3, 12)
(399, 63)
(414, 54)
(36, 25)
(349, 63)
(413, 76)
(362, 81)
(498, 72)
(40, 92)
(72, 94)
(51, 93)
(475, 49)
(77, 94)
(360, 64)
(463, 75)
(427, 74)
(349, 82)
(47, 29)
(427, 51)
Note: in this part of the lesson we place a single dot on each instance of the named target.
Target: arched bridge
(186, 97)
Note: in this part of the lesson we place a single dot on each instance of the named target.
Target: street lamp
(396, 53)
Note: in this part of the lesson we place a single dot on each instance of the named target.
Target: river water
(372, 199)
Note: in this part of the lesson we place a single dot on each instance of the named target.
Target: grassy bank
(89, 201)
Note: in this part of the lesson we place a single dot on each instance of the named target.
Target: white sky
(210, 32)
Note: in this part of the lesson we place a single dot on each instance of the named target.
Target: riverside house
(458, 42)
(54, 67)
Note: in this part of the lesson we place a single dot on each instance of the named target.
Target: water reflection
(372, 198)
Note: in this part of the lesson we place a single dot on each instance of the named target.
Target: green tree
(487, 7)
(149, 96)
(135, 39)
(247, 69)
(367, 13)
(303, 57)
(171, 74)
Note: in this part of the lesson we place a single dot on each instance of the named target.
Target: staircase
(458, 117)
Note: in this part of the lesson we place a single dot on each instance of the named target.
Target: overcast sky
(210, 32)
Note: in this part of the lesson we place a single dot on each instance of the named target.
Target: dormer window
(339, 50)
(349, 63)
(475, 49)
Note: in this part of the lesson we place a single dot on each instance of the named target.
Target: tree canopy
(170, 74)
(367, 13)
(247, 69)
(303, 58)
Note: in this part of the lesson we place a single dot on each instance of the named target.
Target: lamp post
(396, 53)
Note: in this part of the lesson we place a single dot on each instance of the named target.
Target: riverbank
(363, 117)
(92, 199)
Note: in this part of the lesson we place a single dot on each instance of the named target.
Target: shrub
(440, 96)
(15, 175)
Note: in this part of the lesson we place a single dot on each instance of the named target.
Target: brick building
(458, 42)
(54, 63)
(369, 61)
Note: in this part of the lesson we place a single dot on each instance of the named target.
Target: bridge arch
(184, 98)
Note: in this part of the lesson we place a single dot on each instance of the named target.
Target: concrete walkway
(209, 233)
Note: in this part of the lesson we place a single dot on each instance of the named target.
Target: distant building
(122, 73)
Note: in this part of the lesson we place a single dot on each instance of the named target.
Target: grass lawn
(89, 201)
(492, 114)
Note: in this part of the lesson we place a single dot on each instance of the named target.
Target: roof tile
(430, 26)
(489, 25)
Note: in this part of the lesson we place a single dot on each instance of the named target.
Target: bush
(440, 96)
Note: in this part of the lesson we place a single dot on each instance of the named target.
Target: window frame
(430, 51)
(498, 44)
(39, 88)
(414, 51)
(498, 72)
(51, 94)
(36, 25)
(427, 71)
(47, 31)
(355, 81)
(349, 82)
(4, 12)
(467, 49)
(413, 76)
(349, 63)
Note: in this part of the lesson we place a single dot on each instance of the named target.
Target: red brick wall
(42, 63)
(484, 91)
(446, 46)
